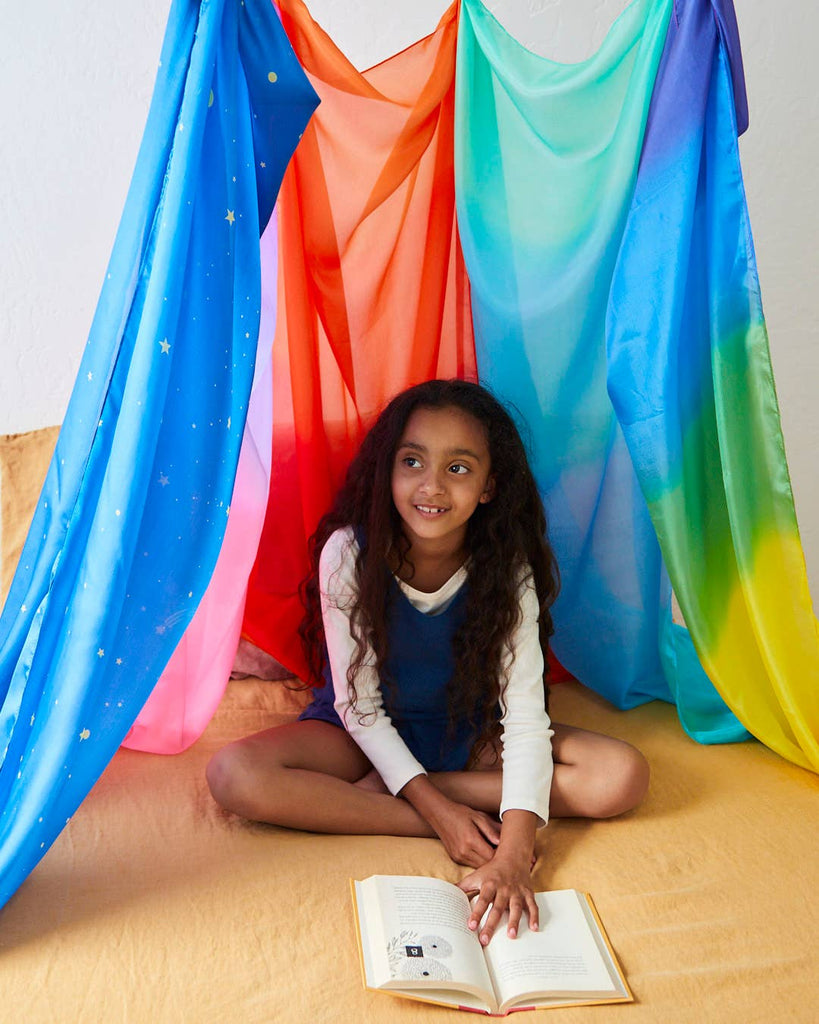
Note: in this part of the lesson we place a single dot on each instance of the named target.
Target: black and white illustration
(417, 958)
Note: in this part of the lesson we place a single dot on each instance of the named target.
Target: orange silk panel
(372, 290)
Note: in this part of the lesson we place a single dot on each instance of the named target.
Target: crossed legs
(306, 775)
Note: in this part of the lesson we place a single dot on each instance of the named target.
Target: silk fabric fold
(615, 300)
(373, 295)
(546, 161)
(690, 377)
(133, 511)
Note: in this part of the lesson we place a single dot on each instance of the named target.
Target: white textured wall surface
(75, 82)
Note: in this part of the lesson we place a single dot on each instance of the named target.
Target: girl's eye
(410, 461)
(459, 468)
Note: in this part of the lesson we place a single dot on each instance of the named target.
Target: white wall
(75, 81)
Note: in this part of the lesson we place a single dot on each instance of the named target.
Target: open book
(414, 942)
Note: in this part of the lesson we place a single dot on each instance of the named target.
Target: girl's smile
(441, 473)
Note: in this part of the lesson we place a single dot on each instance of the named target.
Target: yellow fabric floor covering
(155, 906)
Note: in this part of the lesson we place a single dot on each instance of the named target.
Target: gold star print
(100, 653)
(90, 376)
(119, 661)
(166, 348)
(163, 480)
(85, 734)
(230, 217)
(272, 77)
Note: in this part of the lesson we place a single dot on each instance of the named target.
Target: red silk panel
(372, 291)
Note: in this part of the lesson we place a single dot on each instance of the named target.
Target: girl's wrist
(429, 801)
(514, 854)
(517, 840)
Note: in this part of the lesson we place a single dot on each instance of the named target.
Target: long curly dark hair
(503, 536)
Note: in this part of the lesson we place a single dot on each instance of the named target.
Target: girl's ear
(489, 490)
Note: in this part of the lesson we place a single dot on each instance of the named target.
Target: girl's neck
(426, 568)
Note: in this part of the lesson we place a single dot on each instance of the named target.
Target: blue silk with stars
(134, 508)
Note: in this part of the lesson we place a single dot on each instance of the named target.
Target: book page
(423, 929)
(561, 958)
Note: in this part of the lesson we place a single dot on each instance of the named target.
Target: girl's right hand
(469, 836)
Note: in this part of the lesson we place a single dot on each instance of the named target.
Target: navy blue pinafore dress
(420, 664)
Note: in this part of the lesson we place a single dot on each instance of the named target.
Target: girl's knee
(624, 783)
(636, 775)
(219, 775)
(230, 780)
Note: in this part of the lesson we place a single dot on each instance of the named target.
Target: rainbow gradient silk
(133, 511)
(690, 378)
(616, 303)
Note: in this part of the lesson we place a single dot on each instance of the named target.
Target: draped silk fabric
(690, 377)
(615, 301)
(133, 511)
(546, 158)
(193, 683)
(373, 295)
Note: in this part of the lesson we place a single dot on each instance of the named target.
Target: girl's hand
(505, 881)
(505, 884)
(469, 836)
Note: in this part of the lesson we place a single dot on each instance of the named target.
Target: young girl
(427, 613)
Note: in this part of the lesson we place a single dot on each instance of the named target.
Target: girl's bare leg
(595, 776)
(303, 776)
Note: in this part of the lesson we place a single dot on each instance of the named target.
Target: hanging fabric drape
(194, 681)
(134, 507)
(620, 311)
(615, 302)
(691, 381)
(547, 156)
(373, 294)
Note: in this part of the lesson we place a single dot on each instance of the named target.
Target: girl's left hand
(505, 884)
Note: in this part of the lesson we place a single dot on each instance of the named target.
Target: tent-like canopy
(574, 235)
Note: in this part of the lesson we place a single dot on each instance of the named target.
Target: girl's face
(441, 474)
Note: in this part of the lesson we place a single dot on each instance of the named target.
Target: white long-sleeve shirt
(526, 728)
